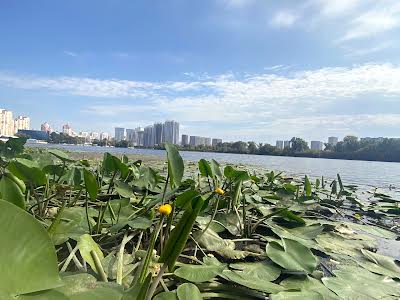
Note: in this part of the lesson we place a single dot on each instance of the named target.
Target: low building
(332, 140)
(316, 145)
(34, 134)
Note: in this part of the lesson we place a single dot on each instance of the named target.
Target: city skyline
(241, 69)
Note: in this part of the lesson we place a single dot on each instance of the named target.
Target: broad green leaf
(205, 168)
(374, 230)
(124, 189)
(380, 264)
(216, 169)
(166, 296)
(91, 184)
(254, 283)
(183, 199)
(86, 244)
(28, 171)
(74, 177)
(188, 291)
(60, 155)
(357, 283)
(262, 270)
(11, 192)
(28, 261)
(293, 256)
(175, 165)
(297, 296)
(198, 273)
(307, 284)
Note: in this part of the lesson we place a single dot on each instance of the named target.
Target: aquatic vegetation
(119, 229)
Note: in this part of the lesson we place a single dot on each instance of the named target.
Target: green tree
(299, 145)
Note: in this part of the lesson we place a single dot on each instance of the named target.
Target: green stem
(98, 266)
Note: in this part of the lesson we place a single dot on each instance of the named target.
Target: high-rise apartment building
(316, 145)
(140, 136)
(332, 140)
(46, 127)
(279, 145)
(185, 139)
(21, 123)
(207, 141)
(67, 129)
(148, 136)
(119, 134)
(171, 132)
(131, 136)
(158, 133)
(286, 144)
(6, 123)
(215, 142)
(196, 140)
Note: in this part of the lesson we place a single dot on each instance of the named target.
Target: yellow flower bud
(165, 209)
(219, 191)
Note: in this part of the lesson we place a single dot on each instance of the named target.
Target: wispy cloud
(284, 19)
(70, 53)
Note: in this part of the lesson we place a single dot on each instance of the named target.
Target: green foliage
(103, 218)
(175, 165)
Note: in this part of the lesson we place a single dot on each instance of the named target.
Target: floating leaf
(199, 273)
(380, 264)
(292, 256)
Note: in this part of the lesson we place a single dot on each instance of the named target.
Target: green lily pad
(292, 256)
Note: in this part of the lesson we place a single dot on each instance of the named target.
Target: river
(365, 173)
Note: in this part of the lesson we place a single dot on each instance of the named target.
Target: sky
(251, 70)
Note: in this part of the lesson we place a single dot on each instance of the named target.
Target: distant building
(119, 134)
(94, 136)
(207, 141)
(332, 140)
(316, 145)
(34, 134)
(131, 136)
(158, 133)
(286, 144)
(6, 123)
(86, 136)
(185, 139)
(171, 132)
(279, 145)
(21, 123)
(46, 127)
(215, 142)
(67, 129)
(148, 136)
(104, 136)
(196, 140)
(140, 136)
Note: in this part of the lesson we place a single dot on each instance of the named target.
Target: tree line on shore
(374, 149)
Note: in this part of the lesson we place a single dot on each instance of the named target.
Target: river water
(365, 173)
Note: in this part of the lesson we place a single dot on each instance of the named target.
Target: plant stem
(154, 285)
(98, 266)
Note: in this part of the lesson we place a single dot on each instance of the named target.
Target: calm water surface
(367, 173)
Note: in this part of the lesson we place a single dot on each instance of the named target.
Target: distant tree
(252, 147)
(299, 145)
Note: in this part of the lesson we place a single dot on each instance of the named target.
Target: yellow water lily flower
(165, 209)
(219, 191)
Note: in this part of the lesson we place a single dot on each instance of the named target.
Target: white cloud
(70, 53)
(377, 20)
(365, 51)
(336, 8)
(261, 103)
(283, 19)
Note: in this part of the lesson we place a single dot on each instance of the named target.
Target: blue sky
(236, 69)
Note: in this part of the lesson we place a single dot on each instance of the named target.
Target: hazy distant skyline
(234, 69)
